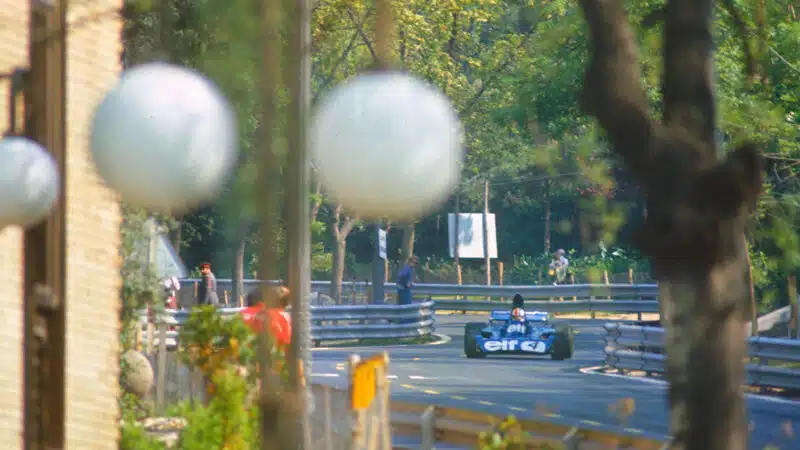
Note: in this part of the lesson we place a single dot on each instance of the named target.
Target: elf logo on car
(513, 345)
(515, 328)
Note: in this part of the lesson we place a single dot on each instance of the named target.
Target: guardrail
(613, 306)
(631, 347)
(438, 424)
(331, 323)
(581, 291)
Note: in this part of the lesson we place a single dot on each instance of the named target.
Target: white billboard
(470, 235)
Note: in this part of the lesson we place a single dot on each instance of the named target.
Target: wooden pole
(161, 381)
(572, 281)
(795, 310)
(456, 233)
(272, 436)
(45, 243)
(500, 274)
(486, 256)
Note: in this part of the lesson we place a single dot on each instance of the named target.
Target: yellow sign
(364, 381)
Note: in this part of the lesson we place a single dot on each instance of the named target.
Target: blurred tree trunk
(408, 241)
(547, 214)
(340, 228)
(237, 289)
(316, 201)
(751, 290)
(697, 209)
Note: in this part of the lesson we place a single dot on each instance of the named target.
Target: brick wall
(93, 218)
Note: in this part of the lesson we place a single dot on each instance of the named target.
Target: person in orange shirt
(256, 313)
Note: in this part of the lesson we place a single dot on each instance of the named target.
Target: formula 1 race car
(514, 332)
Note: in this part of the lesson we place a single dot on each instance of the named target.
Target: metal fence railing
(436, 424)
(630, 347)
(357, 291)
(328, 323)
(612, 306)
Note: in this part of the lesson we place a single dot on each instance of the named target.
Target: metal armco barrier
(630, 347)
(615, 306)
(361, 321)
(461, 427)
(581, 291)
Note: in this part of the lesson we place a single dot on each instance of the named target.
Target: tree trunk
(316, 202)
(697, 208)
(751, 290)
(238, 266)
(408, 241)
(794, 321)
(339, 249)
(704, 340)
(547, 217)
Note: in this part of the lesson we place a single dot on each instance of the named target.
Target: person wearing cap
(257, 313)
(405, 281)
(207, 290)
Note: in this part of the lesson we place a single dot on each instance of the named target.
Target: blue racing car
(518, 332)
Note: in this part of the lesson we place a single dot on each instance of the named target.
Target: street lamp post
(298, 218)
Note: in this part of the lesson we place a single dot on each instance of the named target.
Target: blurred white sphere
(29, 182)
(387, 145)
(165, 138)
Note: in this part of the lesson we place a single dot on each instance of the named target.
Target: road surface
(539, 387)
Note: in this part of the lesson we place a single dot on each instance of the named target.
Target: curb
(597, 370)
(440, 340)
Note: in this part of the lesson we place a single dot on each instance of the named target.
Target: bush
(225, 350)
(508, 435)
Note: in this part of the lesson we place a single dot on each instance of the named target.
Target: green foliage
(513, 69)
(211, 341)
(508, 435)
(227, 422)
(134, 437)
(224, 349)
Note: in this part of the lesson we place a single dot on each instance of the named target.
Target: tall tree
(340, 229)
(698, 206)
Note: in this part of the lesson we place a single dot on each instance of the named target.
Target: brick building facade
(93, 219)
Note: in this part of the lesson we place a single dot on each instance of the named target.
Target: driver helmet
(518, 314)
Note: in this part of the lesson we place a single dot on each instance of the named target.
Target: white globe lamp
(165, 138)
(29, 182)
(387, 145)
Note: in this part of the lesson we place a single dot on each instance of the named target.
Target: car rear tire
(563, 343)
(471, 331)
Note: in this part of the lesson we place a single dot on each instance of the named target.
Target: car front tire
(471, 331)
(563, 343)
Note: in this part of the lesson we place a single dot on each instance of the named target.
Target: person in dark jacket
(207, 290)
(405, 281)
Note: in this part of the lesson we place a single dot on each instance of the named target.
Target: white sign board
(382, 243)
(470, 235)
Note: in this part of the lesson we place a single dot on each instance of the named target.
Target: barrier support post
(383, 389)
(428, 422)
(357, 441)
(162, 367)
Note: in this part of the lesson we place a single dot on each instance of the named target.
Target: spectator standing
(280, 322)
(207, 291)
(171, 287)
(405, 281)
(558, 267)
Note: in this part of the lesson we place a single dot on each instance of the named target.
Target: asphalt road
(539, 387)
